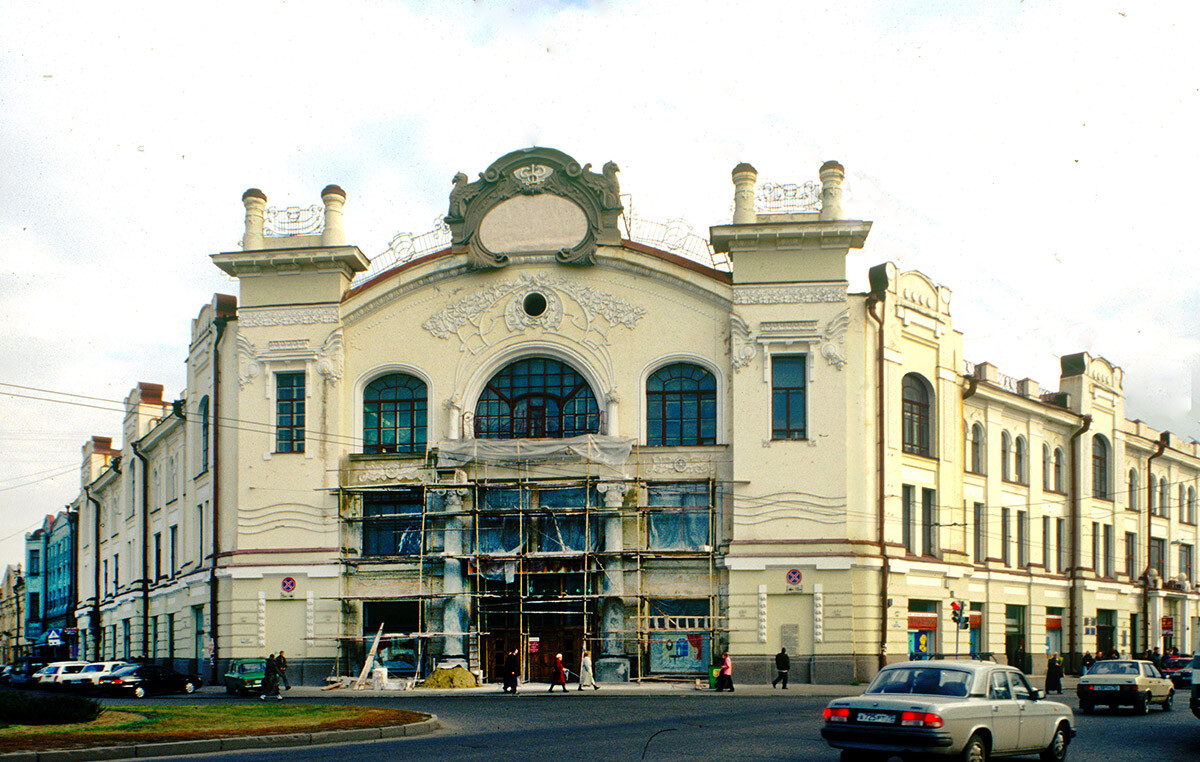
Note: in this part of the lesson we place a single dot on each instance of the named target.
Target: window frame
(415, 407)
(662, 398)
(1101, 468)
(511, 396)
(917, 430)
(790, 395)
(291, 403)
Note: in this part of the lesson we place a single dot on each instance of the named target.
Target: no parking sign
(794, 580)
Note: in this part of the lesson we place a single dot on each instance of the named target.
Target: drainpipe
(145, 550)
(877, 297)
(72, 580)
(215, 411)
(1075, 533)
(1164, 441)
(87, 491)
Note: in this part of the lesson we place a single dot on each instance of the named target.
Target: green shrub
(29, 709)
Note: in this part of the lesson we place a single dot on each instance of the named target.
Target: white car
(1124, 682)
(52, 674)
(89, 677)
(967, 710)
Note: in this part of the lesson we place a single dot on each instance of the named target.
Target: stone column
(334, 198)
(744, 177)
(255, 202)
(832, 175)
(612, 414)
(612, 666)
(454, 613)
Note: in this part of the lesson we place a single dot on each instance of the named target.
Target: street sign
(288, 585)
(794, 577)
(54, 638)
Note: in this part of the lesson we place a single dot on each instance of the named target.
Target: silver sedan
(965, 709)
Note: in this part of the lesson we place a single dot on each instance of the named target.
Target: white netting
(598, 448)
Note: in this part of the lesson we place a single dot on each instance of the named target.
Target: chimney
(832, 175)
(744, 177)
(334, 198)
(255, 202)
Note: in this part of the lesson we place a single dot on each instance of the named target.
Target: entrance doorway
(1106, 627)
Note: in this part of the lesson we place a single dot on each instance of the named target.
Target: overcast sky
(1039, 158)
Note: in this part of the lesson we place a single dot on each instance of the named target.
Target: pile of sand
(458, 677)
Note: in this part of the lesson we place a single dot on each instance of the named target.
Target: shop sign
(535, 645)
(1168, 625)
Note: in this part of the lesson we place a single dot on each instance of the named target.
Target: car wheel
(1142, 705)
(1168, 701)
(975, 750)
(139, 692)
(189, 687)
(229, 689)
(1087, 708)
(1057, 750)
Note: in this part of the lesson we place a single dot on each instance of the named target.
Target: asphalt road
(752, 724)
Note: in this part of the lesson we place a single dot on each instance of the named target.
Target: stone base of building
(611, 669)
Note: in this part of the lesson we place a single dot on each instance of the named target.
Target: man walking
(281, 665)
(271, 680)
(512, 668)
(782, 664)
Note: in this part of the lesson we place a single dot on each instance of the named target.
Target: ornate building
(12, 614)
(550, 425)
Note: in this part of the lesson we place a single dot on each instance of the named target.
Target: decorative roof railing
(782, 198)
(293, 220)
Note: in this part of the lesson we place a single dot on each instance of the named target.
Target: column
(255, 202)
(454, 613)
(333, 234)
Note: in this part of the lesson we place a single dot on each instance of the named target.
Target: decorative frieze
(391, 473)
(266, 318)
(680, 464)
(789, 294)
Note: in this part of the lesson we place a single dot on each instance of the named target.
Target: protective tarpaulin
(686, 527)
(598, 448)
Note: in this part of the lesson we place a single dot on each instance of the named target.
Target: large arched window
(916, 415)
(1021, 461)
(1152, 495)
(395, 414)
(681, 406)
(536, 398)
(977, 454)
(1060, 467)
(1134, 489)
(1046, 467)
(1100, 468)
(1006, 456)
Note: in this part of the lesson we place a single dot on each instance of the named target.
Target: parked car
(52, 674)
(142, 679)
(5, 673)
(23, 674)
(1178, 669)
(245, 676)
(1125, 682)
(969, 709)
(88, 678)
(1195, 700)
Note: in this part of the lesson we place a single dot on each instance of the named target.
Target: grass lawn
(182, 723)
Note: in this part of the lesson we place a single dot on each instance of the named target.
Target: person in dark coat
(1087, 662)
(281, 665)
(560, 674)
(1018, 659)
(1054, 675)
(271, 680)
(512, 668)
(782, 665)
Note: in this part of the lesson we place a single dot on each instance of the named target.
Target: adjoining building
(12, 614)
(49, 583)
(552, 426)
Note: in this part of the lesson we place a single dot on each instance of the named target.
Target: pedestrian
(1019, 657)
(1156, 658)
(560, 674)
(512, 668)
(281, 665)
(1087, 662)
(782, 664)
(725, 677)
(1054, 675)
(271, 680)
(586, 677)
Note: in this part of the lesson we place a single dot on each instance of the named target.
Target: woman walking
(560, 674)
(725, 677)
(1054, 675)
(586, 678)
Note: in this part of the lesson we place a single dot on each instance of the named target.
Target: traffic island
(161, 731)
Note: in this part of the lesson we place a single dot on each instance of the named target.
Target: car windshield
(126, 670)
(930, 681)
(1177, 663)
(253, 666)
(93, 668)
(1113, 668)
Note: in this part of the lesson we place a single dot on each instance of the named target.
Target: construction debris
(455, 677)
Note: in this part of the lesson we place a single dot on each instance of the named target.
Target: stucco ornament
(833, 339)
(498, 311)
(249, 366)
(330, 357)
(534, 171)
(742, 348)
(679, 464)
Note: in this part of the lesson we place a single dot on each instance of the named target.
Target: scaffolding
(536, 559)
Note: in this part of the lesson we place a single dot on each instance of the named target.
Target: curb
(212, 745)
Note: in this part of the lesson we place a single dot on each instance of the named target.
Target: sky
(1037, 157)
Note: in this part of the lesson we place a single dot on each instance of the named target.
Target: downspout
(1075, 535)
(214, 411)
(87, 491)
(1164, 440)
(877, 297)
(73, 583)
(145, 551)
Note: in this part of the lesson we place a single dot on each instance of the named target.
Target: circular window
(534, 304)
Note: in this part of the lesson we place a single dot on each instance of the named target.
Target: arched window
(915, 412)
(1022, 461)
(536, 397)
(1191, 511)
(1006, 448)
(202, 410)
(1152, 495)
(395, 414)
(1100, 468)
(1047, 468)
(681, 406)
(1182, 503)
(1164, 497)
(1060, 461)
(978, 453)
(1134, 489)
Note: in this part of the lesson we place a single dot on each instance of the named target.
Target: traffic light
(956, 612)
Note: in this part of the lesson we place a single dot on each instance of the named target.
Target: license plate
(877, 717)
(1105, 687)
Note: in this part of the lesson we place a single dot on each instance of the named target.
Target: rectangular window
(1130, 554)
(789, 419)
(35, 563)
(174, 548)
(35, 606)
(1023, 539)
(907, 496)
(289, 412)
(1046, 543)
(1096, 547)
(199, 535)
(158, 555)
(929, 521)
(1005, 536)
(980, 533)
(392, 523)
(679, 520)
(1060, 531)
(1185, 561)
(1108, 550)
(106, 577)
(1158, 556)
(170, 636)
(116, 572)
